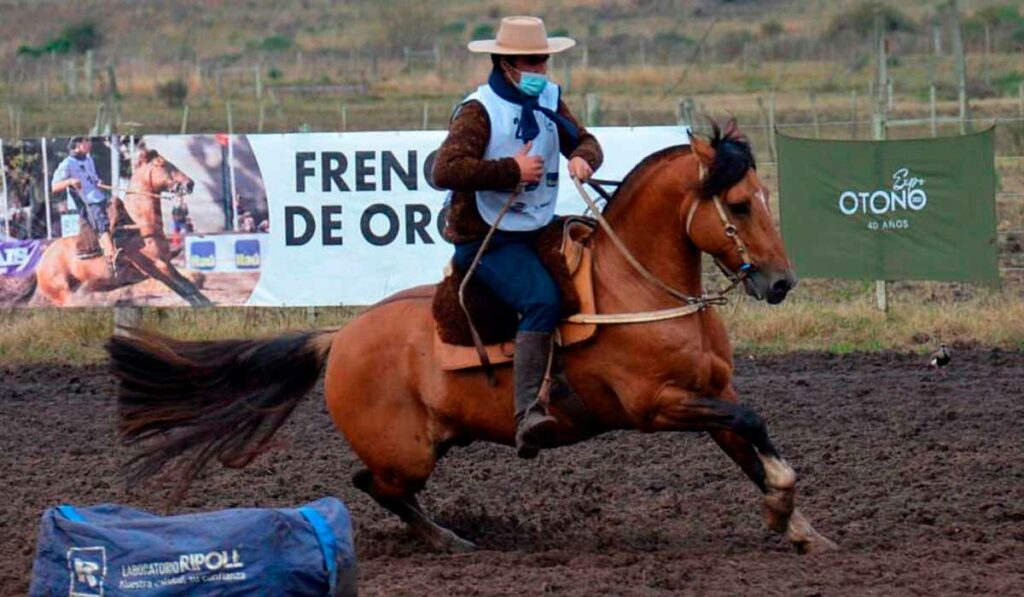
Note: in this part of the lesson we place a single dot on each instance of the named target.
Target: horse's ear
(732, 130)
(702, 149)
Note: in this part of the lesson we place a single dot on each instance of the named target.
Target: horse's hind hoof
(806, 540)
(452, 543)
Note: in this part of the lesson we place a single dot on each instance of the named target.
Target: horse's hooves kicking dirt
(806, 540)
(455, 544)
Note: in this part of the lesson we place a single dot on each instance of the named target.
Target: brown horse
(400, 412)
(61, 273)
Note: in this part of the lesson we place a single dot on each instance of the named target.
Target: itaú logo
(907, 193)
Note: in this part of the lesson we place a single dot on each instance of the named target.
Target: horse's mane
(733, 157)
(149, 155)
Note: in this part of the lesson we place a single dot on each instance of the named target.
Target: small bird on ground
(940, 358)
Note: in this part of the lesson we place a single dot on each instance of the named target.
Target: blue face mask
(532, 84)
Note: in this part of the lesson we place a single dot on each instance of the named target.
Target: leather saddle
(564, 251)
(87, 242)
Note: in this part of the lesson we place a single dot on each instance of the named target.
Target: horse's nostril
(781, 286)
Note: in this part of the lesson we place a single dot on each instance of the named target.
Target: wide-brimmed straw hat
(522, 36)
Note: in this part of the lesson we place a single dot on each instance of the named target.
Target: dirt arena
(221, 288)
(919, 476)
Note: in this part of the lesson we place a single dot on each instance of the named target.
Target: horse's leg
(169, 276)
(408, 509)
(54, 278)
(680, 411)
(798, 530)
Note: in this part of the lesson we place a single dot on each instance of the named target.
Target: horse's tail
(216, 399)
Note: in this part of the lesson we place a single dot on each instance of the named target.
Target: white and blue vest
(534, 207)
(85, 171)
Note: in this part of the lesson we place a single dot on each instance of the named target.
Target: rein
(692, 304)
(131, 191)
(481, 352)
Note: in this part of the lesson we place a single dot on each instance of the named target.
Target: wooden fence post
(961, 63)
(879, 126)
(1020, 99)
(853, 114)
(88, 73)
(258, 82)
(184, 119)
(593, 109)
(933, 110)
(126, 317)
(769, 116)
(814, 116)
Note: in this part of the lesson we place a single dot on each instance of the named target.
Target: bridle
(731, 231)
(177, 188)
(691, 304)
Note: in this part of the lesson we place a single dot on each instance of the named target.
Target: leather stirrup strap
(478, 343)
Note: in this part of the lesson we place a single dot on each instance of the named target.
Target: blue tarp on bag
(111, 550)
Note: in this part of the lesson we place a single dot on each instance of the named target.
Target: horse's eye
(740, 209)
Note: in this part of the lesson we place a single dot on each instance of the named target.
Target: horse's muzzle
(770, 286)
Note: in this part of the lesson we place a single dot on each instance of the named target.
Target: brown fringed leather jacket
(460, 167)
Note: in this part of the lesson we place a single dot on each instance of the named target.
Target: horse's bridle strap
(730, 231)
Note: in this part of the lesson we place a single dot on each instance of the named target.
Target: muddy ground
(918, 475)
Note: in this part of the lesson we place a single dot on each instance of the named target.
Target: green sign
(921, 209)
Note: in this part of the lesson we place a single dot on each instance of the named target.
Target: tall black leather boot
(533, 423)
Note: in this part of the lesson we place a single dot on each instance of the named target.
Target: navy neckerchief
(528, 127)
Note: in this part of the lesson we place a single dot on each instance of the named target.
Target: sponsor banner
(270, 220)
(920, 209)
(224, 252)
(19, 258)
(354, 217)
(69, 224)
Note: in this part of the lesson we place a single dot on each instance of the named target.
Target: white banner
(286, 220)
(353, 217)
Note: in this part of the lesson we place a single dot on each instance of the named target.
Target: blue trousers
(511, 269)
(97, 214)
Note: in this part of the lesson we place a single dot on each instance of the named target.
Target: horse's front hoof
(806, 540)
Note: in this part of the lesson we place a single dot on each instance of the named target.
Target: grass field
(838, 317)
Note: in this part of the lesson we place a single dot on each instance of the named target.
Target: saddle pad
(580, 262)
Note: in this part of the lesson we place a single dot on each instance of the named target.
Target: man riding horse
(500, 163)
(77, 176)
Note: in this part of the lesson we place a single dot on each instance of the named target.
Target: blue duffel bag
(110, 550)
